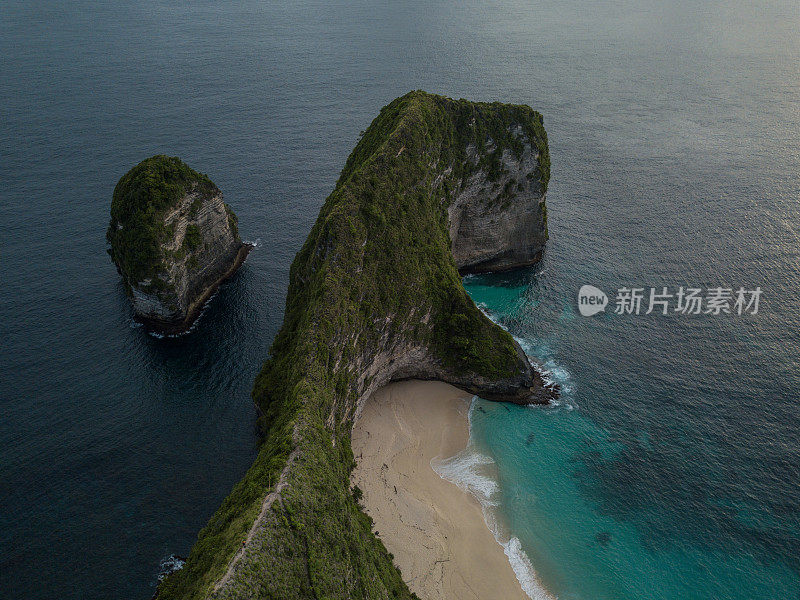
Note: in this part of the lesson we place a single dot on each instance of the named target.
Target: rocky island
(434, 186)
(173, 240)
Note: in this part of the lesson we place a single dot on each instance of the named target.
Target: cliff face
(173, 239)
(204, 249)
(501, 224)
(374, 296)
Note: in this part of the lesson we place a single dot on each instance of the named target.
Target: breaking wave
(476, 474)
(169, 565)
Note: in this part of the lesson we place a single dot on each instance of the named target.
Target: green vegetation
(141, 199)
(375, 273)
(233, 221)
(192, 237)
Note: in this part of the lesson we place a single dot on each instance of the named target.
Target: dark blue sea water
(670, 470)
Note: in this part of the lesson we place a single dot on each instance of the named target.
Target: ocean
(670, 467)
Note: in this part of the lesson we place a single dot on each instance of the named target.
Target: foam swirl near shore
(476, 474)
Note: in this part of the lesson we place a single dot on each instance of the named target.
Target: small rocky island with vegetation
(173, 240)
(433, 188)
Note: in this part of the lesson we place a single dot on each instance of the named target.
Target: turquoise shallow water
(639, 483)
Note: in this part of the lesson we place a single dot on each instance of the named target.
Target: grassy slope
(380, 248)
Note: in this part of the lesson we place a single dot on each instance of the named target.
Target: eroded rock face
(400, 361)
(501, 224)
(204, 250)
(174, 247)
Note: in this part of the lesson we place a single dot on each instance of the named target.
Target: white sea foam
(523, 569)
(464, 470)
(169, 565)
(551, 371)
(484, 308)
(473, 472)
(469, 469)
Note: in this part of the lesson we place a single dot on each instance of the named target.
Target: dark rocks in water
(603, 538)
(167, 567)
(529, 440)
(170, 564)
(173, 240)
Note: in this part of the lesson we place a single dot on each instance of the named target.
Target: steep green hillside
(374, 295)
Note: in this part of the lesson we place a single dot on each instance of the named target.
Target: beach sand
(435, 530)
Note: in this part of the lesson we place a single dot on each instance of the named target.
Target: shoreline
(435, 530)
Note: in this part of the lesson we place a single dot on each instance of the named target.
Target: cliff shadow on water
(434, 187)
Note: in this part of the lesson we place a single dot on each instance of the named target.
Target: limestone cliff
(173, 240)
(502, 223)
(375, 296)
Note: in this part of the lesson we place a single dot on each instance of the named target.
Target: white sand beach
(435, 530)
